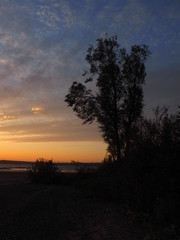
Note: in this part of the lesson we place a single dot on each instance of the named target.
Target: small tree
(44, 171)
(117, 102)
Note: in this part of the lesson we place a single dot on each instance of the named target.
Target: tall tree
(117, 101)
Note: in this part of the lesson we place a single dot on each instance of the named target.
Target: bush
(147, 179)
(44, 171)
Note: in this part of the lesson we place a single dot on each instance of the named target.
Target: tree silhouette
(117, 101)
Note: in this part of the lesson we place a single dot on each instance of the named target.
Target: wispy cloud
(44, 130)
(43, 45)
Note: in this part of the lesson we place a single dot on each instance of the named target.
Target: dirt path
(30, 212)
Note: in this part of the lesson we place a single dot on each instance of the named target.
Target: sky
(43, 45)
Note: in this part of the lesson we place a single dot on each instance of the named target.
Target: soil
(31, 211)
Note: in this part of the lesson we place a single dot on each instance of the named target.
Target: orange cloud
(36, 110)
(4, 117)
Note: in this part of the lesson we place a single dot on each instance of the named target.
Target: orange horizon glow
(57, 151)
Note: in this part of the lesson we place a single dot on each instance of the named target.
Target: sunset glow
(43, 47)
(58, 151)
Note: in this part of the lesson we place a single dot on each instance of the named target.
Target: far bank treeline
(144, 152)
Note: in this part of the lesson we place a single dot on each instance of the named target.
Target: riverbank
(29, 212)
(13, 177)
(65, 167)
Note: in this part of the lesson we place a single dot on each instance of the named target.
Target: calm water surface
(64, 167)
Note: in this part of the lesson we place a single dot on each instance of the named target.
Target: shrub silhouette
(148, 180)
(44, 171)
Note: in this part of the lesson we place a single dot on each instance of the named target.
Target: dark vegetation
(142, 165)
(44, 171)
(141, 169)
(146, 184)
(117, 100)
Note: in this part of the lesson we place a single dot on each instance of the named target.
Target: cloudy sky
(43, 45)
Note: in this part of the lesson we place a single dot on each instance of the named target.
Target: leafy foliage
(148, 182)
(117, 102)
(44, 171)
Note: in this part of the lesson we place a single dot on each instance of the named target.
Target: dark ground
(29, 211)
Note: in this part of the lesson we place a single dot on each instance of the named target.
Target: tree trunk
(118, 147)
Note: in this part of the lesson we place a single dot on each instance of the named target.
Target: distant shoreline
(61, 162)
(22, 166)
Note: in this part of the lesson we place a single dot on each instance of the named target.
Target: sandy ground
(41, 212)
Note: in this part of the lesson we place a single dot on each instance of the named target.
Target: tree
(44, 171)
(117, 101)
